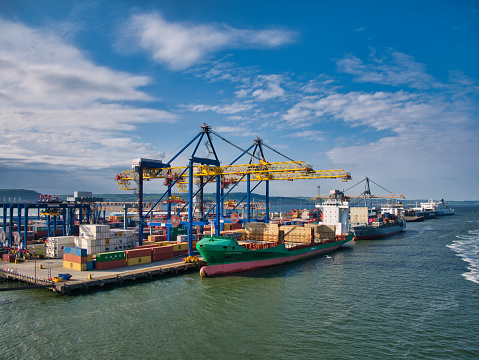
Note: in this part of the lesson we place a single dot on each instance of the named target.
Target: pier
(30, 273)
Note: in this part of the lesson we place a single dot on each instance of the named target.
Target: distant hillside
(18, 195)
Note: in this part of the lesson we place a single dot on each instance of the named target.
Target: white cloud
(228, 109)
(181, 45)
(420, 138)
(39, 68)
(59, 109)
(394, 68)
(314, 135)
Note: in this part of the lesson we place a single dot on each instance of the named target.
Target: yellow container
(74, 266)
(138, 260)
(163, 243)
(181, 246)
(89, 258)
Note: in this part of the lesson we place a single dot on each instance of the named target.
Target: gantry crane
(208, 170)
(231, 174)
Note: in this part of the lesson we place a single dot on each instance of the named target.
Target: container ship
(263, 245)
(379, 223)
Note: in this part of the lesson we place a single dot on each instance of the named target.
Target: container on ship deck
(138, 260)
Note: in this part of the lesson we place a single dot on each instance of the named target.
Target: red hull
(211, 270)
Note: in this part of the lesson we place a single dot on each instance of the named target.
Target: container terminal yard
(85, 249)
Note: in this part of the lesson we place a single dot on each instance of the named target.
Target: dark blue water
(414, 295)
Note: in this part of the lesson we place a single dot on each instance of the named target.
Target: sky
(382, 89)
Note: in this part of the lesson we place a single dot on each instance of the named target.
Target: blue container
(75, 251)
(89, 265)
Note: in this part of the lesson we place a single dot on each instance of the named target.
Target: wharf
(82, 281)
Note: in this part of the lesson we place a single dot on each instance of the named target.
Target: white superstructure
(438, 206)
(335, 211)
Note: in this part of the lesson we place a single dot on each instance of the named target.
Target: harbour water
(414, 295)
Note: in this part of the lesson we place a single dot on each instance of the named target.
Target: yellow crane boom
(286, 170)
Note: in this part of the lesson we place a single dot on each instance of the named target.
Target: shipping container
(164, 243)
(138, 260)
(111, 256)
(161, 257)
(74, 251)
(163, 250)
(74, 266)
(138, 253)
(148, 246)
(105, 265)
(8, 257)
(75, 259)
(180, 246)
(180, 253)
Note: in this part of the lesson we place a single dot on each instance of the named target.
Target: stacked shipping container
(77, 259)
(110, 260)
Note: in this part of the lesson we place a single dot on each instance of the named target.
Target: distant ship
(370, 222)
(379, 225)
(439, 207)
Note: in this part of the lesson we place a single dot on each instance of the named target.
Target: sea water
(414, 295)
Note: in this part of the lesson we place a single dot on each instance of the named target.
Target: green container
(182, 231)
(173, 233)
(111, 256)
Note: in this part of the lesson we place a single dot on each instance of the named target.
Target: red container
(104, 265)
(138, 253)
(161, 257)
(236, 226)
(179, 253)
(168, 249)
(8, 257)
(149, 246)
(75, 259)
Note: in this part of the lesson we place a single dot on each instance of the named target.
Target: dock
(36, 274)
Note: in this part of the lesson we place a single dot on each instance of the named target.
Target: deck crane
(209, 170)
(366, 194)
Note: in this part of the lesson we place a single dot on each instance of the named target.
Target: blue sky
(387, 90)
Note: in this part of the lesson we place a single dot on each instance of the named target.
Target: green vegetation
(10, 195)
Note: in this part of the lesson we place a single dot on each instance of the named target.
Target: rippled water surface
(414, 295)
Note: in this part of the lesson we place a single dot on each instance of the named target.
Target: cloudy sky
(387, 90)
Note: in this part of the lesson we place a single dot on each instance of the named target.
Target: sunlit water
(414, 295)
